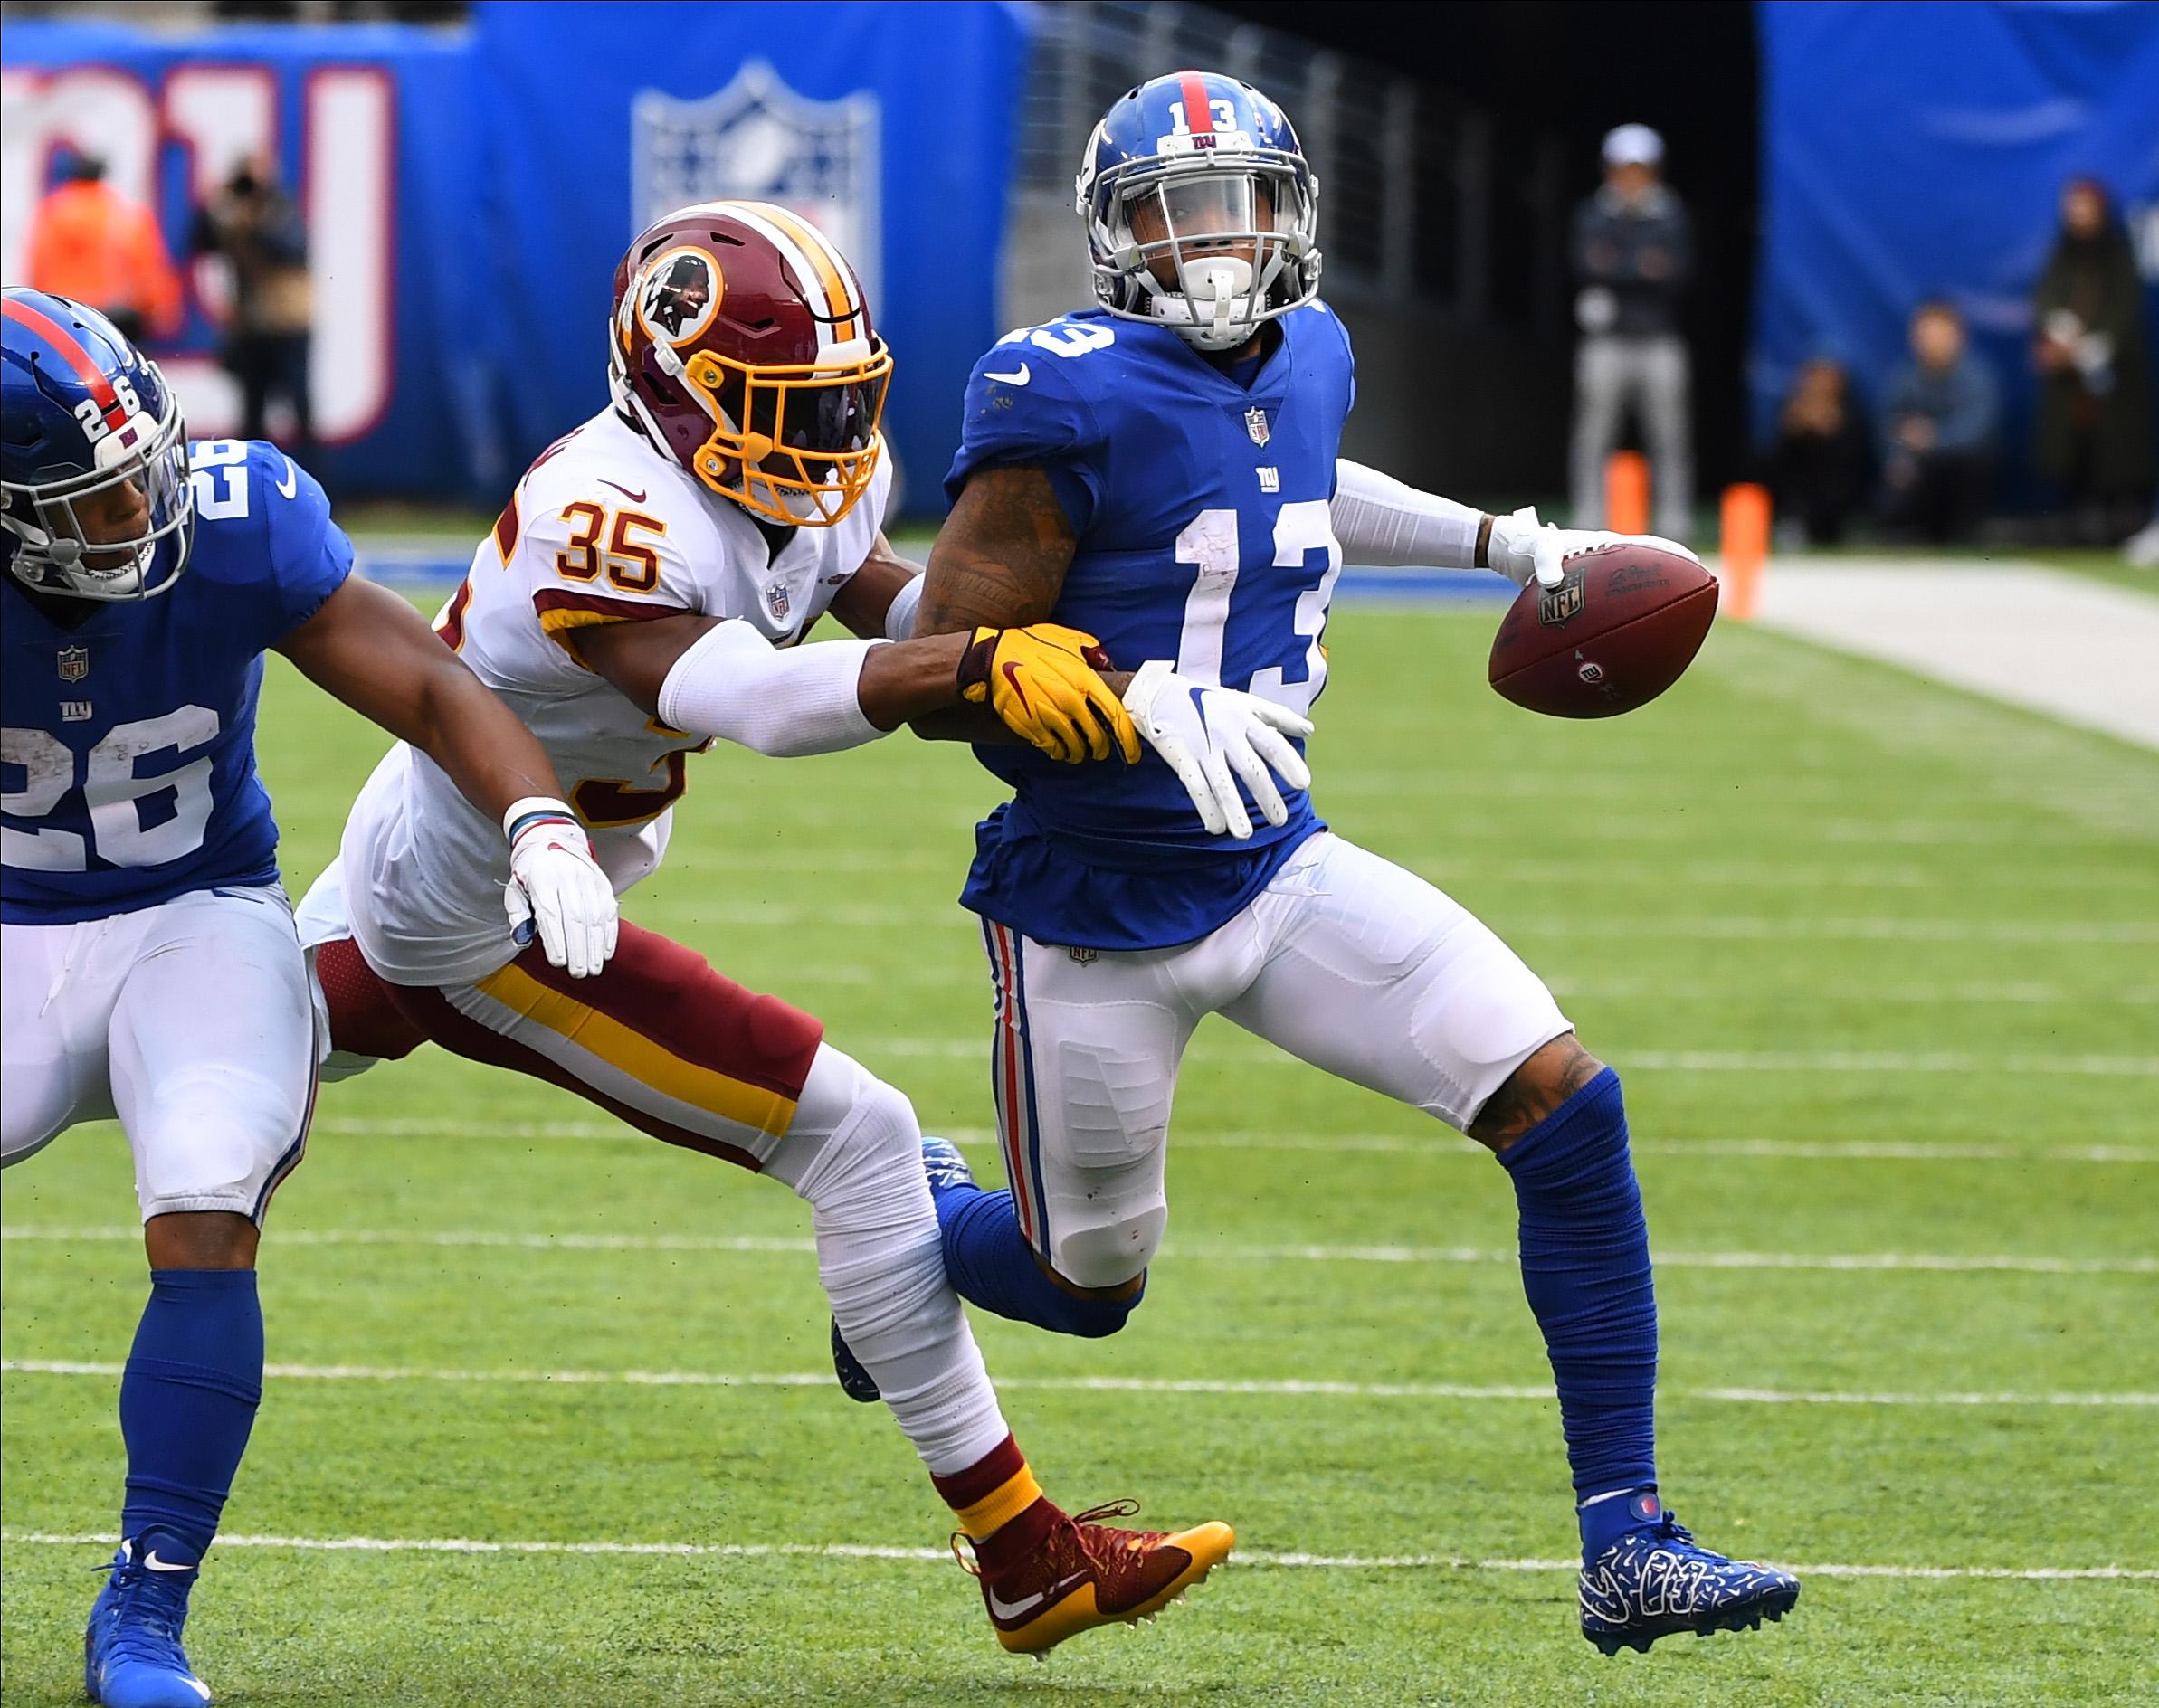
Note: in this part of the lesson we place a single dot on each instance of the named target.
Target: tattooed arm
(999, 560)
(1001, 555)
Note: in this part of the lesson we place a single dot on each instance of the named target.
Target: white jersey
(603, 528)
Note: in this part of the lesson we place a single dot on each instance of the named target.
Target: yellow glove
(1044, 683)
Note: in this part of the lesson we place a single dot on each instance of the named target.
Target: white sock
(855, 1153)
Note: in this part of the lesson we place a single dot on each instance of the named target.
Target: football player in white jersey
(640, 597)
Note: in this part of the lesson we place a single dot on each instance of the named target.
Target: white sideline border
(1937, 1262)
(865, 1551)
(1239, 1387)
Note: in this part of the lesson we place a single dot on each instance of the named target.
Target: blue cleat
(946, 1168)
(1656, 1579)
(131, 1653)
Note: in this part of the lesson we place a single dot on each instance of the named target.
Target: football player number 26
(111, 791)
(1209, 542)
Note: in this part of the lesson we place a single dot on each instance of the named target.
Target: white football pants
(190, 1020)
(1345, 960)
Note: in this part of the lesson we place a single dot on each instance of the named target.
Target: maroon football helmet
(741, 343)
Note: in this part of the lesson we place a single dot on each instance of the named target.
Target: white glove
(1212, 737)
(556, 887)
(1524, 549)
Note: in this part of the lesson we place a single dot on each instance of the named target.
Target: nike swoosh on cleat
(290, 485)
(634, 498)
(1013, 1609)
(1020, 378)
(155, 1564)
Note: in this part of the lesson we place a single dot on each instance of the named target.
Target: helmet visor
(798, 444)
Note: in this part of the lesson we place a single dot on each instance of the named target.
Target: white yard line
(1440, 1142)
(1232, 1387)
(2075, 649)
(1254, 1053)
(1943, 1263)
(867, 1551)
(787, 915)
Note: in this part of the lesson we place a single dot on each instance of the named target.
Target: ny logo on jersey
(76, 712)
(74, 663)
(1255, 423)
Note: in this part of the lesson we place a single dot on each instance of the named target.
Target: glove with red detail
(557, 888)
(1044, 683)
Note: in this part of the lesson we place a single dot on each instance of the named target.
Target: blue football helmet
(94, 496)
(1202, 213)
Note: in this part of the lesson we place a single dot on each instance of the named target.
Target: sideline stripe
(1228, 1387)
(1944, 1263)
(864, 1550)
(1440, 1143)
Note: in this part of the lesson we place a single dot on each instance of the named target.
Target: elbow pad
(1386, 523)
(899, 615)
(732, 683)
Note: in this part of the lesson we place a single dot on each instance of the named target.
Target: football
(1621, 627)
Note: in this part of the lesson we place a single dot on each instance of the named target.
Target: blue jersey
(1201, 509)
(130, 735)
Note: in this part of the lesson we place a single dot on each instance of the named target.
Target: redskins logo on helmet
(679, 295)
(742, 346)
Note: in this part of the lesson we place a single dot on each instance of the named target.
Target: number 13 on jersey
(1210, 544)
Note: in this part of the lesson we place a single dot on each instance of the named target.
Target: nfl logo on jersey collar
(74, 663)
(1255, 423)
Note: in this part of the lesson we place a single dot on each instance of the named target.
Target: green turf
(1801, 902)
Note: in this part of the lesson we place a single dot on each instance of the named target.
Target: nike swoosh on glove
(1212, 737)
(1524, 549)
(557, 887)
(1044, 682)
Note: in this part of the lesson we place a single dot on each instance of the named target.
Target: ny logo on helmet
(758, 140)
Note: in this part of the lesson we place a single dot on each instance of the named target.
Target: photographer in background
(1941, 412)
(2093, 431)
(256, 228)
(1633, 254)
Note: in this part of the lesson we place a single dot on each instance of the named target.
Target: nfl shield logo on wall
(74, 663)
(758, 140)
(1255, 423)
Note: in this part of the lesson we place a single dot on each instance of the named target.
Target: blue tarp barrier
(1915, 151)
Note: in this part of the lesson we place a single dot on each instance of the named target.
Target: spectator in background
(2093, 431)
(91, 243)
(1818, 467)
(255, 226)
(1940, 416)
(1633, 253)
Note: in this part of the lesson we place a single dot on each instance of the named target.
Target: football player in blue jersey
(148, 962)
(1164, 471)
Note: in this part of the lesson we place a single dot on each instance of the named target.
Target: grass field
(1880, 963)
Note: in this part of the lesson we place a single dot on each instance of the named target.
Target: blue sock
(188, 1402)
(1585, 1267)
(992, 1265)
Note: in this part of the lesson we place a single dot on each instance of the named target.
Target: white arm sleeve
(1385, 524)
(899, 615)
(734, 684)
